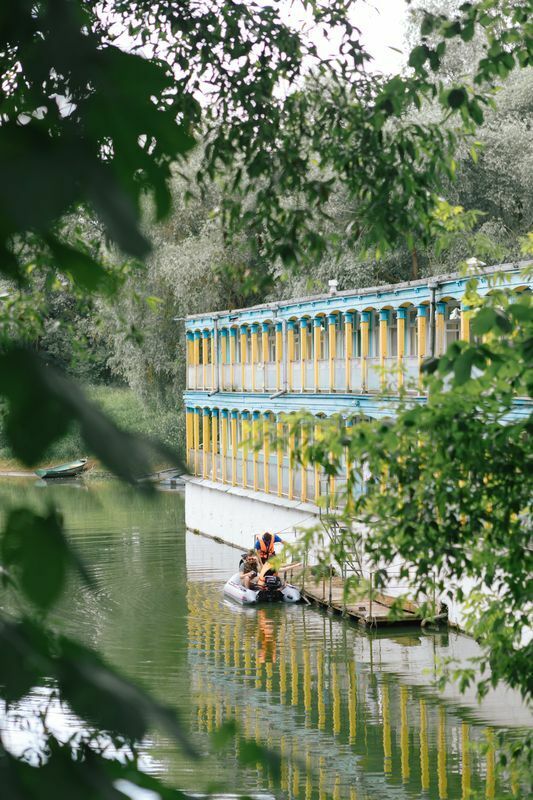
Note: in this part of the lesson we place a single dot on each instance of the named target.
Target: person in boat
(249, 570)
(267, 571)
(265, 545)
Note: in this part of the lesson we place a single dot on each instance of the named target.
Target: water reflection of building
(302, 686)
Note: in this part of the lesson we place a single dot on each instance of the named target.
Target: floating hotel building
(349, 352)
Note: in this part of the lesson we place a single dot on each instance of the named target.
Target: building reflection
(344, 728)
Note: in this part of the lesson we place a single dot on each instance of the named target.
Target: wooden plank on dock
(329, 593)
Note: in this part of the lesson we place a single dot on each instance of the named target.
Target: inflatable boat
(272, 592)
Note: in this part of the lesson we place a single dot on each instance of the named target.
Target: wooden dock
(375, 611)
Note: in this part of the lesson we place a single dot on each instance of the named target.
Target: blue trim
(214, 412)
(441, 308)
(206, 412)
(422, 311)
(198, 411)
(224, 332)
(348, 317)
(465, 308)
(255, 327)
(190, 336)
(303, 323)
(365, 316)
(290, 324)
(256, 414)
(317, 322)
(233, 332)
(332, 319)
(243, 329)
(279, 327)
(197, 334)
(206, 334)
(401, 313)
(328, 404)
(384, 315)
(224, 413)
(245, 414)
(265, 326)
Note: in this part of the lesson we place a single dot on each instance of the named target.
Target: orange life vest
(264, 551)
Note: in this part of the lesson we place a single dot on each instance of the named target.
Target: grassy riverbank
(125, 409)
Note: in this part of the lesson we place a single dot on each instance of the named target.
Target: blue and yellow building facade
(349, 352)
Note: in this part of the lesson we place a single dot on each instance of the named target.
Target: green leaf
(24, 658)
(418, 56)
(462, 366)
(35, 546)
(101, 696)
(85, 271)
(457, 97)
(484, 321)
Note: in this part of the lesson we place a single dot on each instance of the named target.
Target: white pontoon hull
(234, 589)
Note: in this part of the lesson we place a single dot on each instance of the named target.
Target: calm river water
(352, 715)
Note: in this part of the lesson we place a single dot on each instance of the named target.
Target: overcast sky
(381, 22)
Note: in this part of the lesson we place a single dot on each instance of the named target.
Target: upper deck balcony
(358, 341)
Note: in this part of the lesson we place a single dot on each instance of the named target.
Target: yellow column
(304, 444)
(321, 706)
(387, 742)
(290, 352)
(279, 353)
(232, 343)
(291, 461)
(243, 330)
(255, 330)
(197, 413)
(401, 316)
(266, 454)
(348, 349)
(424, 755)
(365, 321)
(224, 444)
(255, 453)
(441, 755)
(223, 357)
(214, 443)
(244, 446)
(332, 341)
(421, 334)
(383, 347)
(317, 332)
(189, 436)
(440, 323)
(213, 360)
(466, 314)
(279, 454)
(317, 468)
(490, 786)
(205, 442)
(264, 342)
(234, 448)
(205, 357)
(404, 734)
(352, 701)
(190, 358)
(196, 359)
(303, 349)
(465, 773)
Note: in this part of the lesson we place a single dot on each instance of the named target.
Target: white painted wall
(236, 515)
